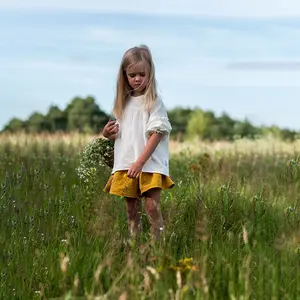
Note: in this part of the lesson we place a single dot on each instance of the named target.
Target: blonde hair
(132, 56)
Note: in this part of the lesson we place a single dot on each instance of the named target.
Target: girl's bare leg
(152, 207)
(134, 213)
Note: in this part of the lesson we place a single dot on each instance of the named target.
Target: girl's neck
(137, 93)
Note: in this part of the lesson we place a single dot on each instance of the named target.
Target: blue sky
(52, 51)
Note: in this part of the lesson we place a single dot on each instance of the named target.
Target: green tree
(288, 135)
(37, 123)
(273, 131)
(226, 125)
(199, 124)
(245, 129)
(84, 115)
(179, 118)
(57, 119)
(15, 125)
(222, 128)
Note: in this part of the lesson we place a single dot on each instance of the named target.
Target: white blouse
(135, 128)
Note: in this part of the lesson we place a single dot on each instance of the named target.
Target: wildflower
(293, 163)
(291, 209)
(186, 261)
(97, 153)
(222, 188)
(184, 265)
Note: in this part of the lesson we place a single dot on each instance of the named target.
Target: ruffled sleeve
(158, 120)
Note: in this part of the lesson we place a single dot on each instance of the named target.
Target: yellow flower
(183, 265)
(186, 261)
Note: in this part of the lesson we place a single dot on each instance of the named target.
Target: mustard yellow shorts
(121, 185)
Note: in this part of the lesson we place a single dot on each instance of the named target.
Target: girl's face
(138, 77)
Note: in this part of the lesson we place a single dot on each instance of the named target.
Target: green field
(232, 225)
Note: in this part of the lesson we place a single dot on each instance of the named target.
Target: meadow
(232, 224)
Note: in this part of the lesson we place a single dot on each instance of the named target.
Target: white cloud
(124, 38)
(58, 67)
(189, 73)
(204, 42)
(228, 8)
(51, 72)
(199, 58)
(214, 73)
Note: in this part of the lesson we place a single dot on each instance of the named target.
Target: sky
(239, 57)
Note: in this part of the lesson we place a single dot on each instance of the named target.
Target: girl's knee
(151, 206)
(131, 205)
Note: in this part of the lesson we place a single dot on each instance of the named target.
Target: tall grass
(232, 225)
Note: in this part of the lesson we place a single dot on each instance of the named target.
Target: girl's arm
(151, 145)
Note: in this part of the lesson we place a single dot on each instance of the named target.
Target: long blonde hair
(132, 56)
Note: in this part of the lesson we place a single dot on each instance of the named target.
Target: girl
(141, 134)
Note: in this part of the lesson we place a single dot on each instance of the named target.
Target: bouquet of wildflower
(97, 153)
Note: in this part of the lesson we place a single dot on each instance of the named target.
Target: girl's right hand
(110, 129)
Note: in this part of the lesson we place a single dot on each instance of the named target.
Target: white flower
(98, 153)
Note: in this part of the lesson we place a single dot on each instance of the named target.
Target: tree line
(85, 116)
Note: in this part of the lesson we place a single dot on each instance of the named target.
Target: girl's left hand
(135, 170)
